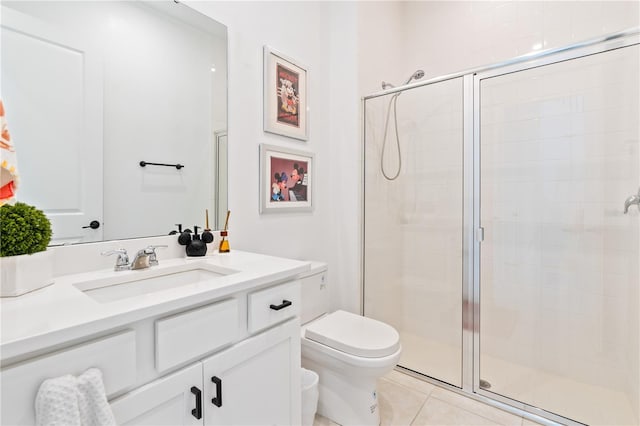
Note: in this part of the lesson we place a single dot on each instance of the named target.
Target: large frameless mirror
(118, 113)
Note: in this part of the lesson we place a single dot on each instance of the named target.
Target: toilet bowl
(348, 351)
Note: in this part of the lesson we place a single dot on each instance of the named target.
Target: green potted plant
(25, 233)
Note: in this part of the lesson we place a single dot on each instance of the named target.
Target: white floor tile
(323, 421)
(405, 400)
(410, 382)
(477, 407)
(440, 413)
(398, 404)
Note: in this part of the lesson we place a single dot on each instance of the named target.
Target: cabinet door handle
(217, 401)
(284, 304)
(197, 412)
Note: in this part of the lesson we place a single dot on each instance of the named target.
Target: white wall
(344, 157)
(442, 37)
(381, 45)
(321, 36)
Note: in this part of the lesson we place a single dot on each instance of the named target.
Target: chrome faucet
(143, 259)
(634, 199)
(122, 261)
(140, 260)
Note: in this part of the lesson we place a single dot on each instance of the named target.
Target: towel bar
(146, 163)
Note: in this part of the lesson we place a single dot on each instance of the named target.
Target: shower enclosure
(502, 253)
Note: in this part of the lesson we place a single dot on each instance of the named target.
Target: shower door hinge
(480, 234)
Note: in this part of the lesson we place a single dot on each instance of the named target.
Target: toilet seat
(354, 335)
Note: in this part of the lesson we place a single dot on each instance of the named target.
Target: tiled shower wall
(559, 270)
(413, 236)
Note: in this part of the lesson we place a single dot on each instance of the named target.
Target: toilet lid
(354, 334)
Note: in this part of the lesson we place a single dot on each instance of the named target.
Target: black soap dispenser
(197, 247)
(179, 231)
(184, 238)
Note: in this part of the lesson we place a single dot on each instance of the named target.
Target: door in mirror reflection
(58, 137)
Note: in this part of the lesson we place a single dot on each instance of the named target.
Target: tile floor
(405, 400)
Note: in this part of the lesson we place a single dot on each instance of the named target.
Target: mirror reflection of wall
(221, 192)
(93, 88)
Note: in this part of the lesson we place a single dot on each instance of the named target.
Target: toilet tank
(315, 292)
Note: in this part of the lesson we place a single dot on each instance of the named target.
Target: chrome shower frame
(472, 228)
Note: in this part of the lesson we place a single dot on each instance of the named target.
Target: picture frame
(286, 180)
(285, 109)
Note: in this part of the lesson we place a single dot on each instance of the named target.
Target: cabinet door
(257, 381)
(172, 400)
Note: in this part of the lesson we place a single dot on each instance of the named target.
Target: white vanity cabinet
(234, 360)
(114, 355)
(254, 382)
(172, 400)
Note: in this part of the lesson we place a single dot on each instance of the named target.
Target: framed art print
(286, 178)
(285, 96)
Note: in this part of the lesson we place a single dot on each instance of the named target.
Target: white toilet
(349, 352)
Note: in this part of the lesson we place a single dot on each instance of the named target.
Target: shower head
(415, 76)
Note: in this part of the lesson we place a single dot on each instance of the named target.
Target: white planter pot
(25, 273)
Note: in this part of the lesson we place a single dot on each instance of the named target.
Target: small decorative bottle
(224, 243)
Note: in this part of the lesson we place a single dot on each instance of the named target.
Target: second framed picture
(286, 178)
(285, 96)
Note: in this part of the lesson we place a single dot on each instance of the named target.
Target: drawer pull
(217, 401)
(197, 412)
(284, 304)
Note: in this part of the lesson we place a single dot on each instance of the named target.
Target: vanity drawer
(114, 355)
(187, 335)
(273, 305)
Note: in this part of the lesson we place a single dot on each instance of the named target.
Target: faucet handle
(633, 199)
(156, 247)
(151, 251)
(122, 261)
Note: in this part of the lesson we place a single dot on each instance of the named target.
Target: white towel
(71, 401)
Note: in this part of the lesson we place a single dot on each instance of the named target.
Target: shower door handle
(634, 199)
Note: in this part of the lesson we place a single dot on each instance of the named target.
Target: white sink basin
(127, 284)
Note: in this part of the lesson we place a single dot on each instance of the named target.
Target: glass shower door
(559, 261)
(413, 248)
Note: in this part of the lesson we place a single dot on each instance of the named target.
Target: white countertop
(62, 312)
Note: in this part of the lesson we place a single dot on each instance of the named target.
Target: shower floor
(586, 403)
